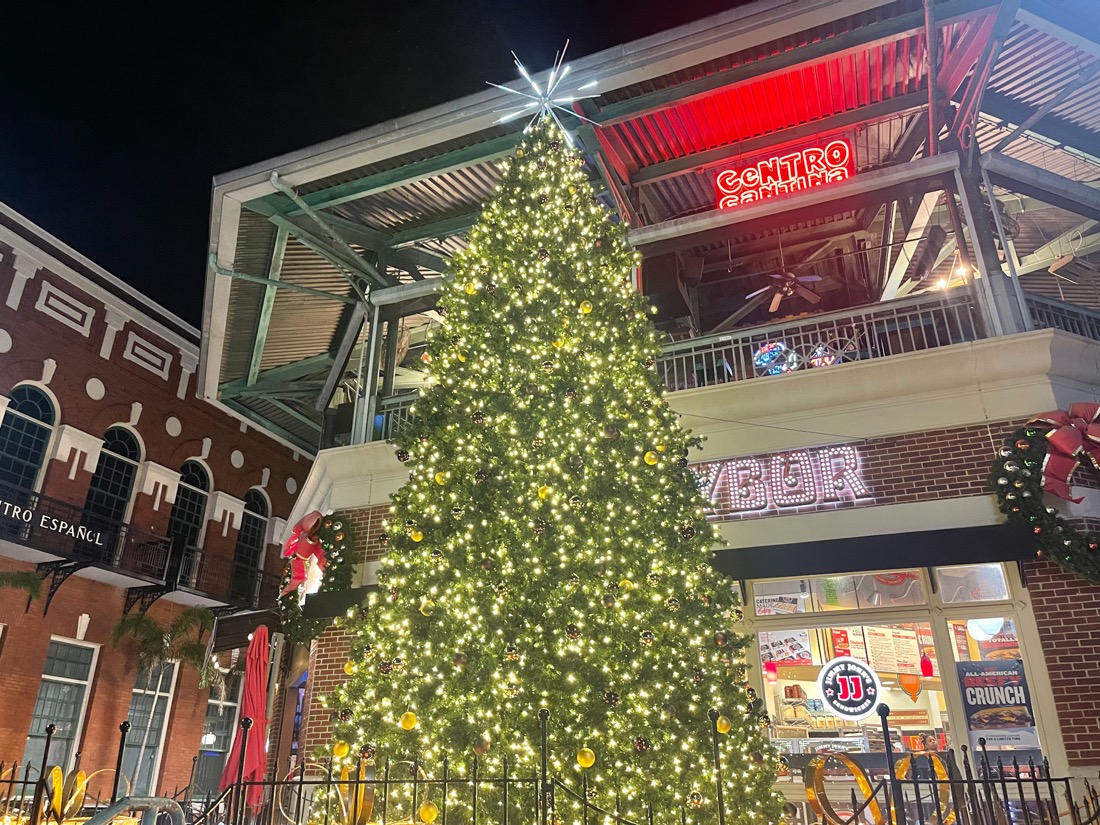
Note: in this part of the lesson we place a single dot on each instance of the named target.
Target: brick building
(123, 492)
(854, 349)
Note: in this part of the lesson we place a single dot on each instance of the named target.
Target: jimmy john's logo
(849, 688)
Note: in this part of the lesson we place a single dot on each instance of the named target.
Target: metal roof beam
(443, 228)
(1039, 183)
(407, 258)
(352, 270)
(267, 304)
(277, 377)
(259, 279)
(352, 326)
(403, 175)
(700, 160)
(1052, 128)
(1056, 22)
(261, 422)
(1067, 90)
(1062, 246)
(295, 414)
(966, 117)
(883, 31)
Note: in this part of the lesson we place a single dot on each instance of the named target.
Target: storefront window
(826, 593)
(904, 657)
(972, 583)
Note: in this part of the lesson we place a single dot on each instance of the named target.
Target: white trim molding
(157, 481)
(65, 309)
(147, 356)
(225, 509)
(71, 443)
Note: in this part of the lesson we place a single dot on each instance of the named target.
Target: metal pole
(235, 802)
(895, 786)
(123, 729)
(370, 389)
(40, 785)
(713, 714)
(930, 37)
(544, 794)
(1010, 255)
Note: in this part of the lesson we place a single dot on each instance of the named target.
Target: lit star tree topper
(550, 548)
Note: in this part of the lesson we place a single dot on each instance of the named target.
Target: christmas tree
(550, 549)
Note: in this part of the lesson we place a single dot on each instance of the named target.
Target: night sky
(113, 125)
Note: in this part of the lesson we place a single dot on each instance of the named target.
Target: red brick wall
(1067, 610)
(37, 338)
(326, 672)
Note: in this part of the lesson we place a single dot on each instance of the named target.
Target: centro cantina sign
(753, 486)
(803, 169)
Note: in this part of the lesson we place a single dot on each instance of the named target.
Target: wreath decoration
(336, 538)
(1039, 458)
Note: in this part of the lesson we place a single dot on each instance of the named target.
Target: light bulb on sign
(983, 630)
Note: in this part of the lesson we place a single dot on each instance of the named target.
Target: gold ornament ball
(349, 668)
(586, 758)
(695, 799)
(341, 749)
(651, 458)
(408, 720)
(544, 491)
(470, 287)
(427, 607)
(661, 448)
(559, 342)
(586, 307)
(481, 745)
(428, 812)
(723, 724)
(626, 585)
(416, 535)
(440, 478)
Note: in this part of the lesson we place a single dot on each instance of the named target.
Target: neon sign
(755, 486)
(803, 169)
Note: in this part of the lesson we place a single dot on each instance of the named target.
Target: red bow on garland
(302, 546)
(1075, 432)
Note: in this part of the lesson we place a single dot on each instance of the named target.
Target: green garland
(337, 537)
(1017, 478)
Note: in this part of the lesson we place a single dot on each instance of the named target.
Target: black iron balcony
(77, 537)
(226, 580)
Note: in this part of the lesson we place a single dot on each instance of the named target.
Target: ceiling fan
(786, 285)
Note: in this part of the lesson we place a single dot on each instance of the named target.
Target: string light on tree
(550, 524)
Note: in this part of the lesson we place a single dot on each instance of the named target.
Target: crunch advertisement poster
(997, 703)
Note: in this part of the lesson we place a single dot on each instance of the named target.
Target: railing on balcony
(226, 580)
(812, 342)
(819, 341)
(1050, 313)
(60, 529)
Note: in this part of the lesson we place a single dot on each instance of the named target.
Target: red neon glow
(803, 169)
(771, 672)
(926, 669)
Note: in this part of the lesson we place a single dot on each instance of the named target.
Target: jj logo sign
(849, 688)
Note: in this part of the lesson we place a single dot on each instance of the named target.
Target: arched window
(189, 510)
(250, 548)
(25, 435)
(113, 482)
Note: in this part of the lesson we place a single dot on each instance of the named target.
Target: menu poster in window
(779, 605)
(892, 650)
(848, 641)
(928, 647)
(1004, 645)
(786, 647)
(997, 704)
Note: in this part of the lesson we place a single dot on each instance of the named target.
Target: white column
(115, 320)
(26, 268)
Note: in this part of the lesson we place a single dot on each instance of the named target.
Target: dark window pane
(24, 436)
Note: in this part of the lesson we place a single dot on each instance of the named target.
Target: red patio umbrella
(254, 707)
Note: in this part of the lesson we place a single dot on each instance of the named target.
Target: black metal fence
(923, 788)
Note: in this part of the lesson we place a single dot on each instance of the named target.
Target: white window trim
(171, 699)
(79, 733)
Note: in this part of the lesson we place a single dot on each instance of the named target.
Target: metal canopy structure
(324, 263)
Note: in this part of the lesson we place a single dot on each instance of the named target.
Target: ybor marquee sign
(793, 172)
(822, 478)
